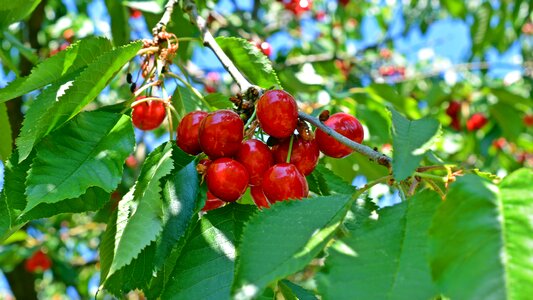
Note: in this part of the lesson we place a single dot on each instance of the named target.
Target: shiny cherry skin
(277, 113)
(345, 124)
(304, 154)
(212, 202)
(221, 133)
(259, 197)
(187, 132)
(284, 181)
(256, 157)
(148, 115)
(227, 179)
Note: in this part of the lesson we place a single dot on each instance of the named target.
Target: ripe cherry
(284, 181)
(277, 113)
(221, 133)
(259, 197)
(265, 48)
(187, 132)
(39, 261)
(148, 115)
(256, 157)
(227, 179)
(344, 124)
(131, 162)
(304, 154)
(212, 202)
(528, 120)
(476, 121)
(453, 109)
(499, 143)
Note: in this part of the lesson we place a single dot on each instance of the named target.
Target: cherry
(131, 162)
(284, 181)
(256, 157)
(277, 113)
(344, 2)
(297, 7)
(453, 109)
(344, 124)
(499, 143)
(259, 197)
(304, 154)
(265, 48)
(148, 115)
(476, 121)
(135, 13)
(221, 133)
(212, 202)
(227, 179)
(39, 261)
(528, 120)
(187, 132)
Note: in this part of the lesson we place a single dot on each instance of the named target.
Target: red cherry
(39, 261)
(499, 143)
(148, 115)
(304, 154)
(256, 157)
(187, 132)
(456, 123)
(284, 181)
(259, 197)
(131, 162)
(528, 120)
(277, 113)
(476, 121)
(221, 133)
(344, 124)
(135, 13)
(265, 48)
(212, 202)
(453, 109)
(344, 2)
(210, 89)
(227, 179)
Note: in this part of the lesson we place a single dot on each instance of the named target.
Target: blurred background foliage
(466, 63)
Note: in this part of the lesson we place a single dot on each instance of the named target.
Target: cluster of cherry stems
(233, 162)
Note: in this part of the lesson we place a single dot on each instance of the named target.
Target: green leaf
(5, 137)
(146, 222)
(13, 11)
(509, 119)
(410, 141)
(185, 100)
(384, 258)
(89, 151)
(205, 268)
(480, 30)
(120, 28)
(324, 182)
(218, 101)
(299, 292)
(456, 8)
(481, 239)
(284, 239)
(65, 63)
(250, 61)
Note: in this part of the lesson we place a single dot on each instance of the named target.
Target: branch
(165, 18)
(374, 155)
(209, 41)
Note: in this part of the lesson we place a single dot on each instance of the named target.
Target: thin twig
(189, 6)
(160, 26)
(380, 158)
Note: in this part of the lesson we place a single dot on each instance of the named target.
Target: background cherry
(227, 179)
(256, 157)
(277, 113)
(304, 154)
(187, 132)
(345, 124)
(284, 181)
(221, 133)
(39, 261)
(476, 122)
(148, 115)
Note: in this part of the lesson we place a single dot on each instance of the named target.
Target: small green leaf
(250, 61)
(384, 258)
(299, 292)
(284, 239)
(324, 182)
(481, 239)
(205, 268)
(89, 151)
(5, 137)
(410, 141)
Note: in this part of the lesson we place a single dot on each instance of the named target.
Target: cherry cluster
(275, 170)
(475, 122)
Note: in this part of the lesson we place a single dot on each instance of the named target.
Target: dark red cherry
(345, 124)
(212, 202)
(221, 133)
(187, 132)
(476, 121)
(148, 115)
(227, 179)
(277, 113)
(284, 181)
(304, 154)
(256, 157)
(259, 197)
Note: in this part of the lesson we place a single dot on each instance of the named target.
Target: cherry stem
(290, 150)
(373, 183)
(431, 176)
(250, 120)
(374, 155)
(189, 6)
(435, 187)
